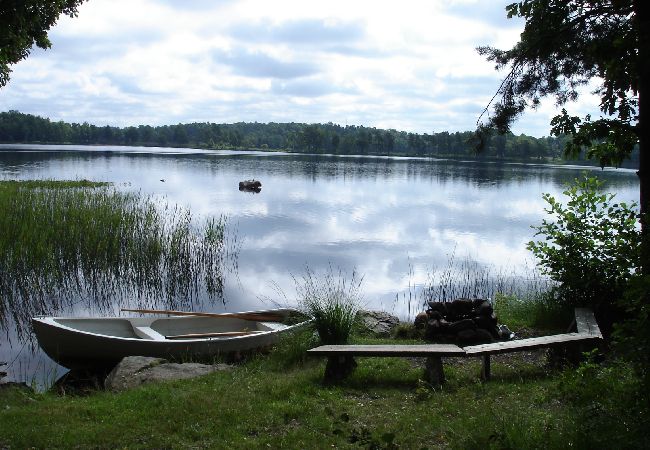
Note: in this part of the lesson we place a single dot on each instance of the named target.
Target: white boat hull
(76, 342)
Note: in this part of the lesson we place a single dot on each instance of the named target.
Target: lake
(393, 220)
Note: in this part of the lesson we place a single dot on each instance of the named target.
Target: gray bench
(587, 334)
(340, 357)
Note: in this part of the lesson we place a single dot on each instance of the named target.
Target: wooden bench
(340, 357)
(587, 333)
(340, 360)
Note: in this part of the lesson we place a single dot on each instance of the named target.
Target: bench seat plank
(528, 344)
(586, 322)
(389, 350)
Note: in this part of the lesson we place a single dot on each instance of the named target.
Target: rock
(485, 309)
(457, 327)
(421, 320)
(435, 315)
(483, 336)
(137, 370)
(466, 337)
(441, 307)
(487, 322)
(460, 308)
(432, 329)
(378, 322)
(472, 337)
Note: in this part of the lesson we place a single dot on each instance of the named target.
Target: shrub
(590, 247)
(332, 302)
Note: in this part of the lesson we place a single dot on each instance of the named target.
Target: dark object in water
(250, 186)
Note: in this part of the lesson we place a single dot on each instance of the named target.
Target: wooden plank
(208, 335)
(485, 368)
(528, 344)
(586, 322)
(433, 371)
(259, 317)
(389, 350)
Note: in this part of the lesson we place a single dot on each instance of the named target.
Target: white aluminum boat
(78, 342)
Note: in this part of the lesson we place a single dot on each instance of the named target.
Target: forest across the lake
(330, 138)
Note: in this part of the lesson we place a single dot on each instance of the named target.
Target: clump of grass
(332, 301)
(69, 242)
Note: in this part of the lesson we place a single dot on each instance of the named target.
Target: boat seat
(148, 333)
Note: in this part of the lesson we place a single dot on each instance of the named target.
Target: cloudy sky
(409, 64)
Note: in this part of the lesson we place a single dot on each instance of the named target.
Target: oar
(205, 335)
(260, 317)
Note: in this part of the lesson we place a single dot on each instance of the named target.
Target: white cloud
(408, 65)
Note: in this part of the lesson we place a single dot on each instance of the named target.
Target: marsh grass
(65, 242)
(332, 301)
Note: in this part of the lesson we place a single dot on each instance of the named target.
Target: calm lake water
(394, 220)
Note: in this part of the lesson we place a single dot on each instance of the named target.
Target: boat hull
(79, 343)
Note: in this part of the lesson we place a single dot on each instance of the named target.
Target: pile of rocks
(464, 321)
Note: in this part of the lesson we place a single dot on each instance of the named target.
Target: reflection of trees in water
(68, 246)
(324, 167)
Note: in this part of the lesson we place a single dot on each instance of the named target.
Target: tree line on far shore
(16, 127)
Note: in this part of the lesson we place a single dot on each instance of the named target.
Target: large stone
(457, 327)
(460, 308)
(485, 309)
(378, 322)
(487, 323)
(421, 320)
(441, 307)
(134, 371)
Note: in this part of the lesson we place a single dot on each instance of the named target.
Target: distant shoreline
(460, 159)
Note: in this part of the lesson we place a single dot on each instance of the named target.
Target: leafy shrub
(590, 247)
(332, 302)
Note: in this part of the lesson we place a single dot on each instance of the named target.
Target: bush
(590, 248)
(332, 302)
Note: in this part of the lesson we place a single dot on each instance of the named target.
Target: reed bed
(517, 293)
(65, 242)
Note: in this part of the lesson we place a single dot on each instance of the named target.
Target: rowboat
(91, 342)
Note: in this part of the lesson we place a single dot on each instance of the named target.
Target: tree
(24, 23)
(570, 43)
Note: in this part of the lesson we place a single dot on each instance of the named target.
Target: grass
(65, 242)
(278, 401)
(332, 301)
(543, 313)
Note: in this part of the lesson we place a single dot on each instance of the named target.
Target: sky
(409, 65)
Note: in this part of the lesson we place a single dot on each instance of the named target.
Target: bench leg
(339, 367)
(434, 372)
(485, 369)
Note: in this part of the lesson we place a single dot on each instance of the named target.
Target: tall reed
(65, 242)
(332, 301)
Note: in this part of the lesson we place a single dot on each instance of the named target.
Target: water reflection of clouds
(378, 215)
(393, 220)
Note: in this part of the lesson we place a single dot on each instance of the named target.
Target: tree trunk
(642, 12)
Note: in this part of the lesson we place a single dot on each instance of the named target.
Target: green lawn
(279, 401)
